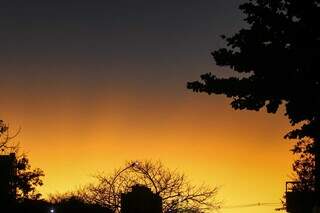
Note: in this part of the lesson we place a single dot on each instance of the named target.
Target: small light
(51, 210)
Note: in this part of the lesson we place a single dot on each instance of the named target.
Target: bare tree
(177, 193)
(6, 142)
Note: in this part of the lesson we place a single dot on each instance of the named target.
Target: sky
(93, 84)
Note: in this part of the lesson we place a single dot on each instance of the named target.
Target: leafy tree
(178, 195)
(279, 53)
(26, 179)
(304, 166)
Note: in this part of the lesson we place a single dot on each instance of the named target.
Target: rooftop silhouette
(141, 200)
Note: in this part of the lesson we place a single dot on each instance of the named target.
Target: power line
(251, 205)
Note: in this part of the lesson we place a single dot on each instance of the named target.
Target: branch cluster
(178, 195)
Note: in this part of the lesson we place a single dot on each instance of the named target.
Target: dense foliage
(279, 52)
(304, 166)
(27, 179)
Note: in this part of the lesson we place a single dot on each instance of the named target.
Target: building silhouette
(141, 200)
(7, 177)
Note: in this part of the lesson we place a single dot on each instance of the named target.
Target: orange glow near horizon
(94, 84)
(242, 152)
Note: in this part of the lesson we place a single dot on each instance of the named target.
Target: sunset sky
(95, 83)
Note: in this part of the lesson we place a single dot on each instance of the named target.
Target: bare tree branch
(6, 143)
(177, 193)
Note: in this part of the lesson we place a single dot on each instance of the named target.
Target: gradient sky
(96, 83)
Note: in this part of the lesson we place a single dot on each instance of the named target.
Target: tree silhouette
(279, 53)
(26, 179)
(69, 203)
(176, 192)
(304, 167)
(6, 142)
